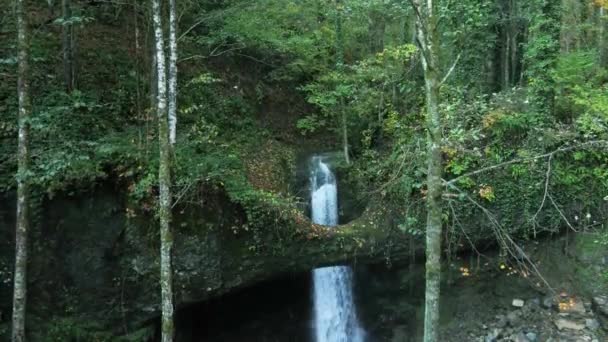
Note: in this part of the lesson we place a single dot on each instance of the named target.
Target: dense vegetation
(524, 136)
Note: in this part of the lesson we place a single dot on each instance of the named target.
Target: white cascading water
(335, 317)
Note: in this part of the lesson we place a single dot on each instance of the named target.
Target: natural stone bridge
(89, 255)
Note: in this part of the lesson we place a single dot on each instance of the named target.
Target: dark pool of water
(389, 302)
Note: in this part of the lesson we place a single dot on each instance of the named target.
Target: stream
(347, 303)
(389, 299)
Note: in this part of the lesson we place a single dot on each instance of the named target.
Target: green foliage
(541, 53)
(72, 329)
(582, 96)
(360, 90)
(237, 58)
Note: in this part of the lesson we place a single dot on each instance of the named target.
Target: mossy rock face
(591, 257)
(95, 259)
(573, 263)
(589, 249)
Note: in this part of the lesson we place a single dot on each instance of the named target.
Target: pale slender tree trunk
(339, 65)
(433, 223)
(506, 55)
(67, 42)
(153, 93)
(164, 180)
(602, 44)
(153, 79)
(172, 72)
(428, 40)
(138, 102)
(21, 231)
(345, 136)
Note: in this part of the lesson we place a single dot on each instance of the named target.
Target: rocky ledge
(558, 318)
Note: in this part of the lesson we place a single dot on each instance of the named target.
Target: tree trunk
(172, 72)
(602, 44)
(339, 36)
(377, 29)
(153, 92)
(505, 60)
(21, 230)
(138, 92)
(345, 135)
(164, 181)
(67, 42)
(339, 65)
(428, 39)
(514, 55)
(433, 223)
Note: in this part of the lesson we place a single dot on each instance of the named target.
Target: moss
(590, 262)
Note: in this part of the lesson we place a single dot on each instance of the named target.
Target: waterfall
(335, 318)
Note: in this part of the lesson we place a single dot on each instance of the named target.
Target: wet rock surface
(523, 308)
(532, 322)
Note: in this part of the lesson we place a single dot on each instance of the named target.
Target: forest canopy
(519, 87)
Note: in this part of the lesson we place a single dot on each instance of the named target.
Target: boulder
(531, 336)
(520, 337)
(592, 324)
(518, 303)
(600, 304)
(562, 323)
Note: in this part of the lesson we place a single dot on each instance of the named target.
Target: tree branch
(542, 204)
(561, 213)
(447, 75)
(522, 160)
(503, 237)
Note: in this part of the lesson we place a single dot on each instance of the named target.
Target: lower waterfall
(335, 318)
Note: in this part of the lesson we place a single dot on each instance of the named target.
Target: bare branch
(214, 52)
(196, 24)
(256, 60)
(523, 160)
(210, 16)
(561, 213)
(447, 75)
(504, 239)
(238, 46)
(542, 204)
(455, 217)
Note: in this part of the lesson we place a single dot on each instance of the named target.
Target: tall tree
(340, 66)
(377, 26)
(511, 32)
(21, 231)
(603, 30)
(164, 180)
(429, 42)
(172, 72)
(571, 25)
(68, 45)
